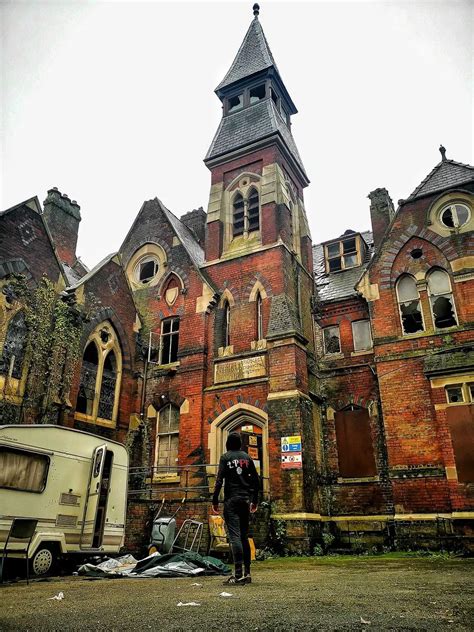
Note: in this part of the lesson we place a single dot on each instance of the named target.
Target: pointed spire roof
(446, 174)
(254, 55)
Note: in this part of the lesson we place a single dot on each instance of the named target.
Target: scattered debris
(225, 594)
(58, 597)
(188, 603)
(364, 622)
(196, 584)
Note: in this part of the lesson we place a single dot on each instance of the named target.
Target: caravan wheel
(43, 560)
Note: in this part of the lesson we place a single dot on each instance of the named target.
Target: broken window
(13, 353)
(274, 96)
(236, 103)
(238, 216)
(342, 255)
(90, 365)
(257, 94)
(167, 440)
(107, 389)
(146, 269)
(455, 215)
(253, 211)
(441, 299)
(332, 341)
(410, 306)
(362, 335)
(169, 340)
(226, 336)
(99, 385)
(460, 421)
(454, 394)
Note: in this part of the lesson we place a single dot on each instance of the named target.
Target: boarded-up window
(332, 341)
(362, 335)
(461, 424)
(354, 444)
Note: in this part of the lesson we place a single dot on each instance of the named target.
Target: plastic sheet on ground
(185, 564)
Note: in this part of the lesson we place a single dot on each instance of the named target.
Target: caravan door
(87, 540)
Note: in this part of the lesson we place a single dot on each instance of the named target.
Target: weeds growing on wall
(54, 327)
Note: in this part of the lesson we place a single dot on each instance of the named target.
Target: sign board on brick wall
(291, 461)
(291, 444)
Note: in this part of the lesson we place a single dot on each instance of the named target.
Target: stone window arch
(101, 375)
(409, 305)
(442, 305)
(146, 266)
(14, 347)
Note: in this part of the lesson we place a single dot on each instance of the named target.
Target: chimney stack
(62, 216)
(381, 214)
(196, 222)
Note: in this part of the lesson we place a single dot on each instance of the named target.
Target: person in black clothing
(240, 500)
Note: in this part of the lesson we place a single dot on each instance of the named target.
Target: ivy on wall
(54, 328)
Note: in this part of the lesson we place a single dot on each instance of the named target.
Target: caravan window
(23, 471)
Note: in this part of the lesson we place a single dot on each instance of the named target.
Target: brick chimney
(196, 221)
(62, 216)
(381, 213)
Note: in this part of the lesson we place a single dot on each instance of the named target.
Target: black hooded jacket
(238, 471)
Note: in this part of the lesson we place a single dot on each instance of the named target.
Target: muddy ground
(344, 593)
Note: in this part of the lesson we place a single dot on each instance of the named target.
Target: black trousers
(236, 516)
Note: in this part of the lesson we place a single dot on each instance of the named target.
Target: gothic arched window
(226, 336)
(253, 211)
(409, 305)
(441, 299)
(238, 216)
(259, 314)
(13, 353)
(101, 372)
(167, 440)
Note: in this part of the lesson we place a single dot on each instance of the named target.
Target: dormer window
(236, 103)
(342, 255)
(146, 269)
(257, 94)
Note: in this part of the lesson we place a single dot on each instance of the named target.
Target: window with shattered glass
(441, 299)
(332, 340)
(169, 340)
(13, 352)
(455, 215)
(409, 304)
(90, 366)
(167, 440)
(107, 389)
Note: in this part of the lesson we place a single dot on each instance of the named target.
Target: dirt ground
(344, 593)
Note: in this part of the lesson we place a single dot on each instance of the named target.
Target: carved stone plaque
(237, 370)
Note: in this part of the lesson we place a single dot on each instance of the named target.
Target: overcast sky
(113, 102)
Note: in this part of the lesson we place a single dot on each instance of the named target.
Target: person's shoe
(246, 579)
(238, 581)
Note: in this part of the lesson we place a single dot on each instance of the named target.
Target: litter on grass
(189, 603)
(58, 597)
(225, 594)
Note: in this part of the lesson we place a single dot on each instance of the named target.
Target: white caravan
(74, 483)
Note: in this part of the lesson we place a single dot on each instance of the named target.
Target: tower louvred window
(441, 299)
(238, 219)
(253, 211)
(409, 303)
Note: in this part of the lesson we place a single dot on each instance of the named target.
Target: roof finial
(442, 151)
(256, 9)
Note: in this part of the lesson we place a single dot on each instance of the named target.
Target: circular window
(146, 269)
(455, 215)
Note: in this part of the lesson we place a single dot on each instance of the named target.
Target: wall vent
(69, 499)
(66, 521)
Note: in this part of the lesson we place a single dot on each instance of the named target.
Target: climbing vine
(54, 326)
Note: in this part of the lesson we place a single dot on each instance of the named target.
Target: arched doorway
(252, 423)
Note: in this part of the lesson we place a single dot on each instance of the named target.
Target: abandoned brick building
(348, 366)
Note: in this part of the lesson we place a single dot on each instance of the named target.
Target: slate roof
(94, 271)
(446, 174)
(71, 275)
(249, 125)
(185, 236)
(254, 55)
(333, 286)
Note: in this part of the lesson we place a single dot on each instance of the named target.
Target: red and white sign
(291, 461)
